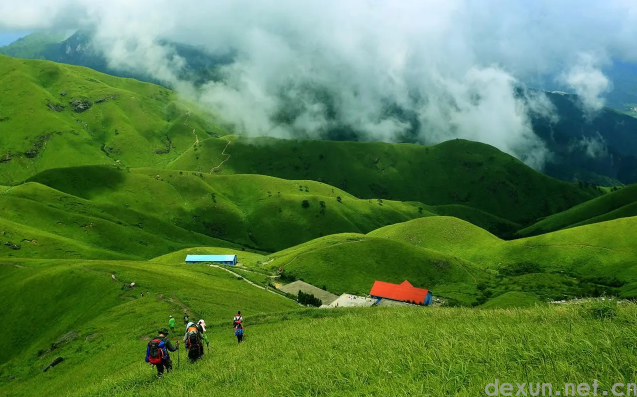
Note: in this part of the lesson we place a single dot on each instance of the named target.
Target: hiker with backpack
(236, 319)
(238, 331)
(157, 352)
(201, 325)
(171, 323)
(193, 341)
(185, 318)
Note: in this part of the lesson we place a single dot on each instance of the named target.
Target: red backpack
(156, 351)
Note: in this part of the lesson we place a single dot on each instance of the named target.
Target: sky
(8, 37)
(454, 66)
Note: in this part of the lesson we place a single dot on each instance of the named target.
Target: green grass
(60, 296)
(255, 211)
(138, 124)
(145, 125)
(33, 45)
(50, 224)
(621, 203)
(350, 263)
(585, 260)
(455, 172)
(512, 299)
(327, 352)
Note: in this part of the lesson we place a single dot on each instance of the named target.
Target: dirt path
(223, 153)
(193, 130)
(250, 282)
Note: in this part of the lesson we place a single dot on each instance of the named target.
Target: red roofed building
(403, 292)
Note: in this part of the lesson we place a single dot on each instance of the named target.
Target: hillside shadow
(85, 182)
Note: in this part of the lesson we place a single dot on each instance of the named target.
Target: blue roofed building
(220, 259)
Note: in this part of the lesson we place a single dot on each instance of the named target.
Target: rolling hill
(291, 351)
(350, 263)
(143, 213)
(54, 115)
(83, 316)
(620, 203)
(78, 117)
(584, 260)
(455, 172)
(570, 135)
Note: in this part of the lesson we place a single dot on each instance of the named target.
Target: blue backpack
(238, 331)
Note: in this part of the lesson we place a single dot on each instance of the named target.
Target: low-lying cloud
(588, 82)
(423, 71)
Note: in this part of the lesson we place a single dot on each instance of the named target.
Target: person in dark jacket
(238, 331)
(166, 362)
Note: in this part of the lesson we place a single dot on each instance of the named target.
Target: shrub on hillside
(305, 204)
(518, 269)
(308, 299)
(605, 309)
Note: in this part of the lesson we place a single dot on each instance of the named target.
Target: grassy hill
(455, 172)
(350, 263)
(143, 213)
(621, 203)
(293, 352)
(55, 115)
(585, 260)
(110, 322)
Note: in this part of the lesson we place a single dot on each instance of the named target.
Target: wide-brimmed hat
(163, 331)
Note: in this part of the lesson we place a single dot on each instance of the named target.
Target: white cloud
(451, 66)
(587, 80)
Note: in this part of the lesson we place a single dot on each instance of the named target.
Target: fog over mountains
(370, 70)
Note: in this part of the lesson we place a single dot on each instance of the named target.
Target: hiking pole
(177, 356)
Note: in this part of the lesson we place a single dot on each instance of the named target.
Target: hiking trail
(250, 282)
(223, 153)
(193, 130)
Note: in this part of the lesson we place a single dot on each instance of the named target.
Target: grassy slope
(603, 252)
(137, 120)
(47, 223)
(33, 45)
(250, 210)
(56, 297)
(249, 259)
(327, 352)
(351, 263)
(613, 205)
(453, 172)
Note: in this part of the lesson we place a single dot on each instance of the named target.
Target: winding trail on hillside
(6, 191)
(223, 153)
(250, 282)
(193, 130)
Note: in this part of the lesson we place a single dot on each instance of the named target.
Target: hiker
(201, 325)
(238, 331)
(193, 342)
(157, 352)
(113, 277)
(171, 323)
(237, 318)
(185, 318)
